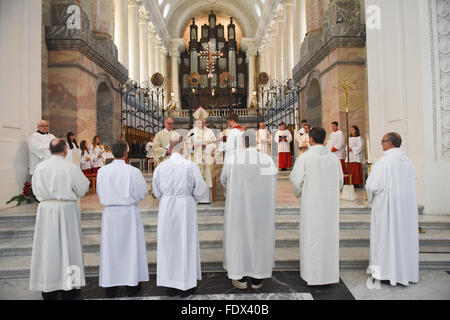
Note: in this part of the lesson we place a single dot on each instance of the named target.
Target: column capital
(133, 3)
(143, 17)
(287, 2)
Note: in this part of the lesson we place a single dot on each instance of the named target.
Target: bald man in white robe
(394, 240)
(57, 267)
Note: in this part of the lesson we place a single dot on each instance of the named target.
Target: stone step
(285, 259)
(218, 210)
(212, 239)
(91, 225)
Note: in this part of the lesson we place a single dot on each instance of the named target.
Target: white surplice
(39, 147)
(97, 156)
(123, 254)
(283, 146)
(317, 177)
(337, 140)
(86, 160)
(394, 239)
(148, 149)
(57, 244)
(235, 141)
(249, 231)
(357, 153)
(179, 185)
(264, 141)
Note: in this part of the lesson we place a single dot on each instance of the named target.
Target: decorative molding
(440, 46)
(302, 69)
(99, 49)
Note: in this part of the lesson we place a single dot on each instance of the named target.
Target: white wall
(20, 89)
(400, 99)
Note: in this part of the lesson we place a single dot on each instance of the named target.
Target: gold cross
(346, 85)
(211, 55)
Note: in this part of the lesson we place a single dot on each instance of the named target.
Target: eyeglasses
(382, 141)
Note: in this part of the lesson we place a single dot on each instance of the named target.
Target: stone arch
(314, 100)
(105, 110)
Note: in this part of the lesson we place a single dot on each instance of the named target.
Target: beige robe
(160, 146)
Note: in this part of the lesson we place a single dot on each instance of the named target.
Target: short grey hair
(395, 139)
(119, 148)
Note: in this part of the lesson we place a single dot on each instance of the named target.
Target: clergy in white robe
(123, 254)
(249, 229)
(39, 145)
(336, 143)
(179, 185)
(303, 140)
(57, 256)
(394, 239)
(283, 138)
(200, 147)
(264, 140)
(317, 177)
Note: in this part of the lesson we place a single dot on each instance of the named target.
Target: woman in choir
(356, 148)
(86, 158)
(97, 150)
(72, 146)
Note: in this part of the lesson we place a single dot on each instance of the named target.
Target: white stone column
(174, 57)
(251, 56)
(262, 59)
(133, 37)
(163, 61)
(143, 46)
(279, 46)
(103, 18)
(157, 50)
(299, 27)
(151, 49)
(288, 53)
(273, 54)
(121, 30)
(164, 73)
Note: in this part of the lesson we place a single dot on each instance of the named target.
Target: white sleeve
(375, 184)
(297, 176)
(155, 184)
(200, 186)
(139, 185)
(80, 183)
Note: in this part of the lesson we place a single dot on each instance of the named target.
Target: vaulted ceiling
(249, 14)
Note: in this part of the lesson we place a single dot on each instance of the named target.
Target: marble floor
(433, 285)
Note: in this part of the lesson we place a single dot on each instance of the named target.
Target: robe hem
(178, 285)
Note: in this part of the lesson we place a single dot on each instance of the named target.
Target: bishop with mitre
(200, 149)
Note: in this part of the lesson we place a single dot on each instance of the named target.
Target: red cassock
(357, 174)
(284, 160)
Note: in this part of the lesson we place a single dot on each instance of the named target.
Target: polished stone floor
(433, 285)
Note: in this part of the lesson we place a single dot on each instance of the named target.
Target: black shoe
(134, 291)
(70, 295)
(257, 284)
(171, 292)
(53, 295)
(185, 294)
(111, 292)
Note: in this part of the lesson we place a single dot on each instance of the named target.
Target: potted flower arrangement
(27, 196)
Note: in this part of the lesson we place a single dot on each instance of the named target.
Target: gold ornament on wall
(157, 79)
(263, 78)
(225, 79)
(194, 79)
